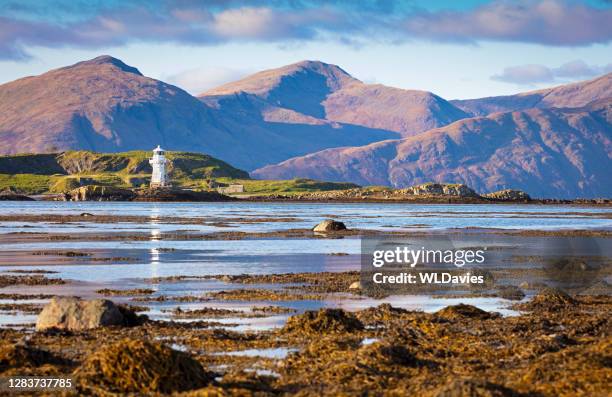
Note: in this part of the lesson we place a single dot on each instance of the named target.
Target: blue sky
(456, 49)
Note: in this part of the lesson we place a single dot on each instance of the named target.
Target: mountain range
(312, 119)
(105, 105)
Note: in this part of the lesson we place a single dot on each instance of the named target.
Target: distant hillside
(565, 96)
(555, 153)
(104, 105)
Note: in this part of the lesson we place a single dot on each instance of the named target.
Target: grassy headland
(62, 172)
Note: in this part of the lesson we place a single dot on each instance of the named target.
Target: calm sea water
(363, 215)
(159, 258)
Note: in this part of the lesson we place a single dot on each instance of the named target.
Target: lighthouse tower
(158, 162)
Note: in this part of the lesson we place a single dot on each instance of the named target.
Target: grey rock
(75, 314)
(510, 292)
(329, 225)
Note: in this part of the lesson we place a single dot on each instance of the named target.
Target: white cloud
(525, 74)
(197, 81)
(550, 22)
(533, 74)
(204, 23)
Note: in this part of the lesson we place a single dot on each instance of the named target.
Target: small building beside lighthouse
(159, 178)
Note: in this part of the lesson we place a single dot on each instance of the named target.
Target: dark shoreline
(326, 197)
(441, 201)
(434, 200)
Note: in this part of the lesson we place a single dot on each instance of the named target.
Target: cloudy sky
(457, 49)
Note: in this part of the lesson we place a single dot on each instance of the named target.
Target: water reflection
(155, 236)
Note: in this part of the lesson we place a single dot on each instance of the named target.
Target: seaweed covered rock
(9, 195)
(329, 225)
(137, 366)
(384, 354)
(574, 273)
(345, 367)
(323, 321)
(474, 388)
(578, 370)
(510, 292)
(380, 314)
(19, 356)
(75, 314)
(550, 299)
(465, 311)
(600, 288)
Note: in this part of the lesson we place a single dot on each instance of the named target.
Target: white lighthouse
(158, 162)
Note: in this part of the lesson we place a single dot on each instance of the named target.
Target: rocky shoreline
(429, 193)
(558, 346)
(108, 193)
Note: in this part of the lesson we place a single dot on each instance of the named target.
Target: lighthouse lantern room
(159, 178)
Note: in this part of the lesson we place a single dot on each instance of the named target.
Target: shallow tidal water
(154, 257)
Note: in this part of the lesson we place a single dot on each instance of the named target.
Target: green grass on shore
(39, 184)
(298, 185)
(26, 183)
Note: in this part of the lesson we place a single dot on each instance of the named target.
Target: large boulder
(75, 314)
(329, 225)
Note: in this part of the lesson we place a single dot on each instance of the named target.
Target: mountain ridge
(586, 91)
(549, 152)
(328, 92)
(105, 105)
